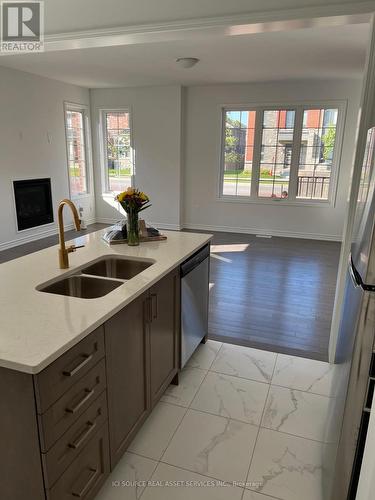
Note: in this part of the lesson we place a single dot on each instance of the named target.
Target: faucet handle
(73, 248)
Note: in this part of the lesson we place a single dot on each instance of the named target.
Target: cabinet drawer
(62, 414)
(70, 445)
(87, 473)
(60, 375)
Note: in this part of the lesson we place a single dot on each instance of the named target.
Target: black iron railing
(313, 187)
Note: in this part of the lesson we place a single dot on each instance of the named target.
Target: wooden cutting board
(142, 239)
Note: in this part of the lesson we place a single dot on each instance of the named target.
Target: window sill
(111, 193)
(78, 197)
(275, 201)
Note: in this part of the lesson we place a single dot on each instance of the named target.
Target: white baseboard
(32, 237)
(90, 221)
(168, 227)
(38, 236)
(159, 225)
(250, 230)
(106, 220)
(174, 227)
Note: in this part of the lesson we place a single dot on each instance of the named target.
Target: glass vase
(132, 227)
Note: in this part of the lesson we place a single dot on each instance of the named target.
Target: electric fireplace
(33, 200)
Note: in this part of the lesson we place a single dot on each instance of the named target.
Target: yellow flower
(132, 194)
(121, 197)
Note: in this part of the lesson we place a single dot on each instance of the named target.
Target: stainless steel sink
(84, 287)
(117, 267)
(97, 279)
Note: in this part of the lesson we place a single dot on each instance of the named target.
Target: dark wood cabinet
(69, 447)
(87, 473)
(21, 474)
(69, 425)
(126, 341)
(60, 417)
(71, 405)
(63, 373)
(164, 327)
(141, 343)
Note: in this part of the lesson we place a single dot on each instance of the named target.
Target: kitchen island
(78, 376)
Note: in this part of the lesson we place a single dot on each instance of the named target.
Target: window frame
(103, 146)
(85, 110)
(299, 107)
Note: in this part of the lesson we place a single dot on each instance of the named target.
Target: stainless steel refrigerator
(355, 349)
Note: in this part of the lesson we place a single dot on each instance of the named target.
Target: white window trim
(103, 148)
(299, 106)
(85, 110)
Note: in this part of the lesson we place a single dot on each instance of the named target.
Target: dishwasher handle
(195, 260)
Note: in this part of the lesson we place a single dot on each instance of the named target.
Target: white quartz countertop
(37, 327)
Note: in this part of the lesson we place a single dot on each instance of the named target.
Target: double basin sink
(98, 278)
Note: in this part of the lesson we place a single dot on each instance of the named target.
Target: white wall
(203, 209)
(31, 109)
(177, 144)
(156, 122)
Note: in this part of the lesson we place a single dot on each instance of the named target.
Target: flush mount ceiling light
(187, 62)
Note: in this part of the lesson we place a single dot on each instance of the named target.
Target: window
(76, 139)
(238, 152)
(279, 153)
(118, 157)
(364, 186)
(277, 143)
(316, 153)
(289, 119)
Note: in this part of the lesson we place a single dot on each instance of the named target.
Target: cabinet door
(165, 324)
(126, 341)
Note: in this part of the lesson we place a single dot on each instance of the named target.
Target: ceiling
(310, 53)
(76, 15)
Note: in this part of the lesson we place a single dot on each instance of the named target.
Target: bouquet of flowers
(133, 201)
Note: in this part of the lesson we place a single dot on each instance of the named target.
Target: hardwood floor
(275, 294)
(34, 246)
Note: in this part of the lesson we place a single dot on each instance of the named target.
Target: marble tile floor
(243, 424)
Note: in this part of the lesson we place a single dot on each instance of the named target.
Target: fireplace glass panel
(33, 203)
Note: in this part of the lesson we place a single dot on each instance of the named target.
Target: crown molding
(247, 23)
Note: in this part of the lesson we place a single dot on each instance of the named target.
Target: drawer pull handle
(154, 300)
(92, 476)
(76, 444)
(147, 313)
(86, 359)
(89, 394)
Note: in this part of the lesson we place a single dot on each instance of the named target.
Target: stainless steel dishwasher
(194, 301)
